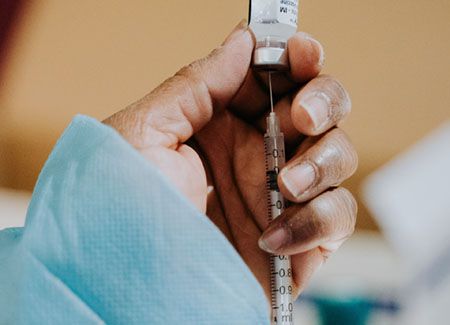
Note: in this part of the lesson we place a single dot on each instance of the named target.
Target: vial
(273, 22)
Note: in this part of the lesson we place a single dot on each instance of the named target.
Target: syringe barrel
(275, 160)
(280, 266)
(281, 282)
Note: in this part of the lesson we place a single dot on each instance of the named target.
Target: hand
(204, 129)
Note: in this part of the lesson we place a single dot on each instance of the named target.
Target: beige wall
(95, 57)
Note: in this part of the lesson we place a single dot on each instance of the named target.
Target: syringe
(280, 266)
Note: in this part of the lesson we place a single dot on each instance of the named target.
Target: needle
(270, 90)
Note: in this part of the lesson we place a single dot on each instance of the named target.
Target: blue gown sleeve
(108, 239)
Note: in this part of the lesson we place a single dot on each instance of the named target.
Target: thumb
(183, 104)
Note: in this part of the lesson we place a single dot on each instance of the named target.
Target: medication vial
(273, 22)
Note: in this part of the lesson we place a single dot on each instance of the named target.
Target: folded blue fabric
(108, 239)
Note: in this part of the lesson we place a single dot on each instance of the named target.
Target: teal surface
(350, 311)
(109, 240)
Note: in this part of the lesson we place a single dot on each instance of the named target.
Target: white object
(410, 198)
(13, 208)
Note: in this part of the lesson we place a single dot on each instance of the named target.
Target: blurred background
(61, 58)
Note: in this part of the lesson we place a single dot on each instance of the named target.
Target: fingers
(306, 57)
(296, 120)
(320, 105)
(324, 222)
(321, 162)
(183, 104)
(306, 60)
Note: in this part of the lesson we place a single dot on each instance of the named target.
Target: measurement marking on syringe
(281, 272)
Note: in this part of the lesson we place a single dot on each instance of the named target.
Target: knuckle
(345, 158)
(330, 216)
(198, 67)
(307, 222)
(347, 205)
(333, 158)
(189, 70)
(337, 209)
(339, 97)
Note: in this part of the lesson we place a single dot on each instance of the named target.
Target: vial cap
(270, 55)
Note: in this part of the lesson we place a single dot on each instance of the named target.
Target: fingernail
(241, 26)
(273, 240)
(299, 178)
(318, 106)
(319, 46)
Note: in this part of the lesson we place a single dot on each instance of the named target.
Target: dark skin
(204, 129)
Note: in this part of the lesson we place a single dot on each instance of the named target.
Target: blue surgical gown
(108, 239)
